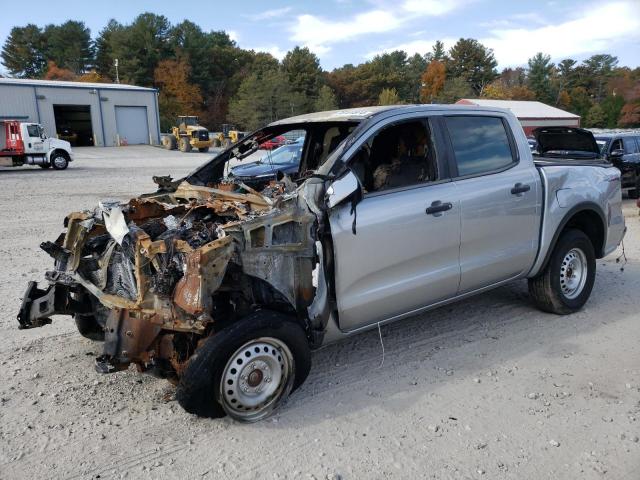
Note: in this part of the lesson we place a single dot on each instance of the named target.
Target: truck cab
(23, 143)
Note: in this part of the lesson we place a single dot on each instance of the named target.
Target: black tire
(169, 142)
(185, 146)
(203, 149)
(59, 161)
(549, 291)
(199, 389)
(89, 327)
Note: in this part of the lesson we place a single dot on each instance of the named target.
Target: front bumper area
(39, 305)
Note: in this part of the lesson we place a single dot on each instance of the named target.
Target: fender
(573, 211)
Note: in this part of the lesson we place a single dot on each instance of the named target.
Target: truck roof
(362, 113)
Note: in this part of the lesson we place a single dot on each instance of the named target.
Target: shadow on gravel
(444, 345)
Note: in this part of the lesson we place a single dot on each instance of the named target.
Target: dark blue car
(285, 159)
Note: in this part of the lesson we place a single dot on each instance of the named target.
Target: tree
(539, 77)
(264, 98)
(326, 99)
(599, 68)
(454, 89)
(388, 96)
(433, 80)
(23, 53)
(580, 101)
(630, 117)
(305, 75)
(139, 48)
(57, 73)
(596, 117)
(438, 52)
(177, 96)
(473, 62)
(612, 108)
(69, 45)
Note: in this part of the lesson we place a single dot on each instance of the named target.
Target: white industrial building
(98, 114)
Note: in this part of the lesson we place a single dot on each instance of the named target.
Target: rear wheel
(59, 161)
(247, 370)
(185, 146)
(566, 282)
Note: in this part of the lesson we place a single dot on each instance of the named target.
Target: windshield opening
(302, 147)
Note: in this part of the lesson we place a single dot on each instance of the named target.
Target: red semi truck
(24, 143)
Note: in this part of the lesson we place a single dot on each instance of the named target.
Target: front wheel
(246, 370)
(565, 284)
(59, 161)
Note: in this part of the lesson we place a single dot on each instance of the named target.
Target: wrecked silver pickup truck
(224, 290)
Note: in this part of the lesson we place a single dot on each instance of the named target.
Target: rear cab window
(481, 144)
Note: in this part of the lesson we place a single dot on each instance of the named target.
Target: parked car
(285, 160)
(623, 151)
(274, 142)
(225, 291)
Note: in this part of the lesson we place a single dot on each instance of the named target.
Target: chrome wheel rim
(256, 377)
(59, 161)
(573, 273)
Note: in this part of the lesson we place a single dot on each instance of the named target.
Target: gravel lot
(486, 388)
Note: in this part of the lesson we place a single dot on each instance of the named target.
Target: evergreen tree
(304, 72)
(539, 78)
(69, 46)
(23, 52)
(596, 118)
(326, 99)
(473, 62)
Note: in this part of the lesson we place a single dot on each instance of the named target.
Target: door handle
(519, 188)
(438, 207)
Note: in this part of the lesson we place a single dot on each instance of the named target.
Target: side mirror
(342, 188)
(617, 153)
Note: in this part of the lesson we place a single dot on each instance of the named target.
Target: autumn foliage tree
(54, 72)
(177, 96)
(432, 80)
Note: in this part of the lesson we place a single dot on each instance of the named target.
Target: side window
(616, 145)
(630, 145)
(33, 131)
(480, 144)
(397, 156)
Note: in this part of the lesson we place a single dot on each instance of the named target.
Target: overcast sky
(352, 31)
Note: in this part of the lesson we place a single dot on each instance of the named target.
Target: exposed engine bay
(161, 272)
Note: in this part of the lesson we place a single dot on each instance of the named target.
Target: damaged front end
(159, 274)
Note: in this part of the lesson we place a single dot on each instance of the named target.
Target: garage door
(132, 125)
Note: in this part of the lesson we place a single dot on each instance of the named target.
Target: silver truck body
(177, 272)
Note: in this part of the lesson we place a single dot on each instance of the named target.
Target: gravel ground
(486, 388)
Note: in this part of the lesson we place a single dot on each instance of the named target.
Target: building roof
(521, 108)
(59, 83)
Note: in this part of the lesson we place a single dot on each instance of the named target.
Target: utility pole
(115, 62)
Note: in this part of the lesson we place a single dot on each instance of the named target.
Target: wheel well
(58, 150)
(591, 223)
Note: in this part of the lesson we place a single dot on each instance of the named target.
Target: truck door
(33, 142)
(499, 201)
(402, 252)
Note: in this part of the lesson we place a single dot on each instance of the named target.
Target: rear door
(499, 201)
(397, 251)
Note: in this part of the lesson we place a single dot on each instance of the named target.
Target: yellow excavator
(228, 136)
(187, 135)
